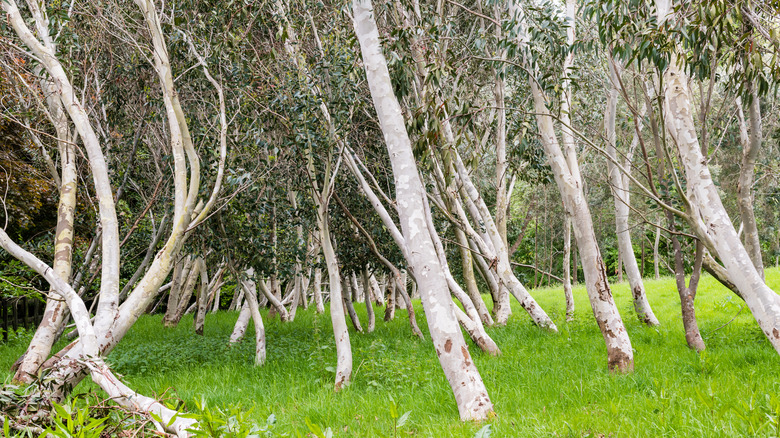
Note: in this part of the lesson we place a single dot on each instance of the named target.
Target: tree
(463, 376)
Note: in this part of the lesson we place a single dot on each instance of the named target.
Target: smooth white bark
(621, 195)
(751, 144)
(465, 381)
(712, 219)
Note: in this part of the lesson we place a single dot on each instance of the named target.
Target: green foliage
(18, 279)
(71, 421)
(232, 422)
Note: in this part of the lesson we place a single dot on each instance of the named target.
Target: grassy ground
(542, 385)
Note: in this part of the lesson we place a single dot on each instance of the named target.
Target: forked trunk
(687, 293)
(711, 220)
(470, 393)
(56, 310)
(368, 301)
(250, 292)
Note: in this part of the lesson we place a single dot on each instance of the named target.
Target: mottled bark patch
(448, 345)
(636, 292)
(466, 355)
(619, 362)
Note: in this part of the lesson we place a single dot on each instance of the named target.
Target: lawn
(542, 385)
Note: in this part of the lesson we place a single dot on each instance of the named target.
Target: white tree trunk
(493, 246)
(368, 301)
(567, 292)
(241, 323)
(620, 356)
(390, 304)
(621, 196)
(349, 293)
(337, 317)
(202, 299)
(470, 279)
(465, 381)
(99, 371)
(656, 255)
(275, 303)
(711, 218)
(109, 280)
(250, 292)
(112, 321)
(56, 310)
(751, 144)
(318, 291)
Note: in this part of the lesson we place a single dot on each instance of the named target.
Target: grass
(542, 385)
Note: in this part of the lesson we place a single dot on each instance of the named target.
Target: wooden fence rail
(16, 312)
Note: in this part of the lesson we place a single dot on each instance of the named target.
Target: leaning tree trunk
(181, 273)
(762, 301)
(751, 143)
(112, 322)
(470, 393)
(711, 221)
(56, 310)
(467, 263)
(186, 292)
(621, 195)
(239, 329)
(250, 292)
(275, 303)
(202, 299)
(368, 301)
(162, 417)
(348, 304)
(620, 356)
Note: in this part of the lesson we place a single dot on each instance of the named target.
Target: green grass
(542, 385)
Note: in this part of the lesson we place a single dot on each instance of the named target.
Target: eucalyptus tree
(620, 190)
(704, 210)
(112, 320)
(458, 196)
(567, 175)
(463, 376)
(67, 179)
